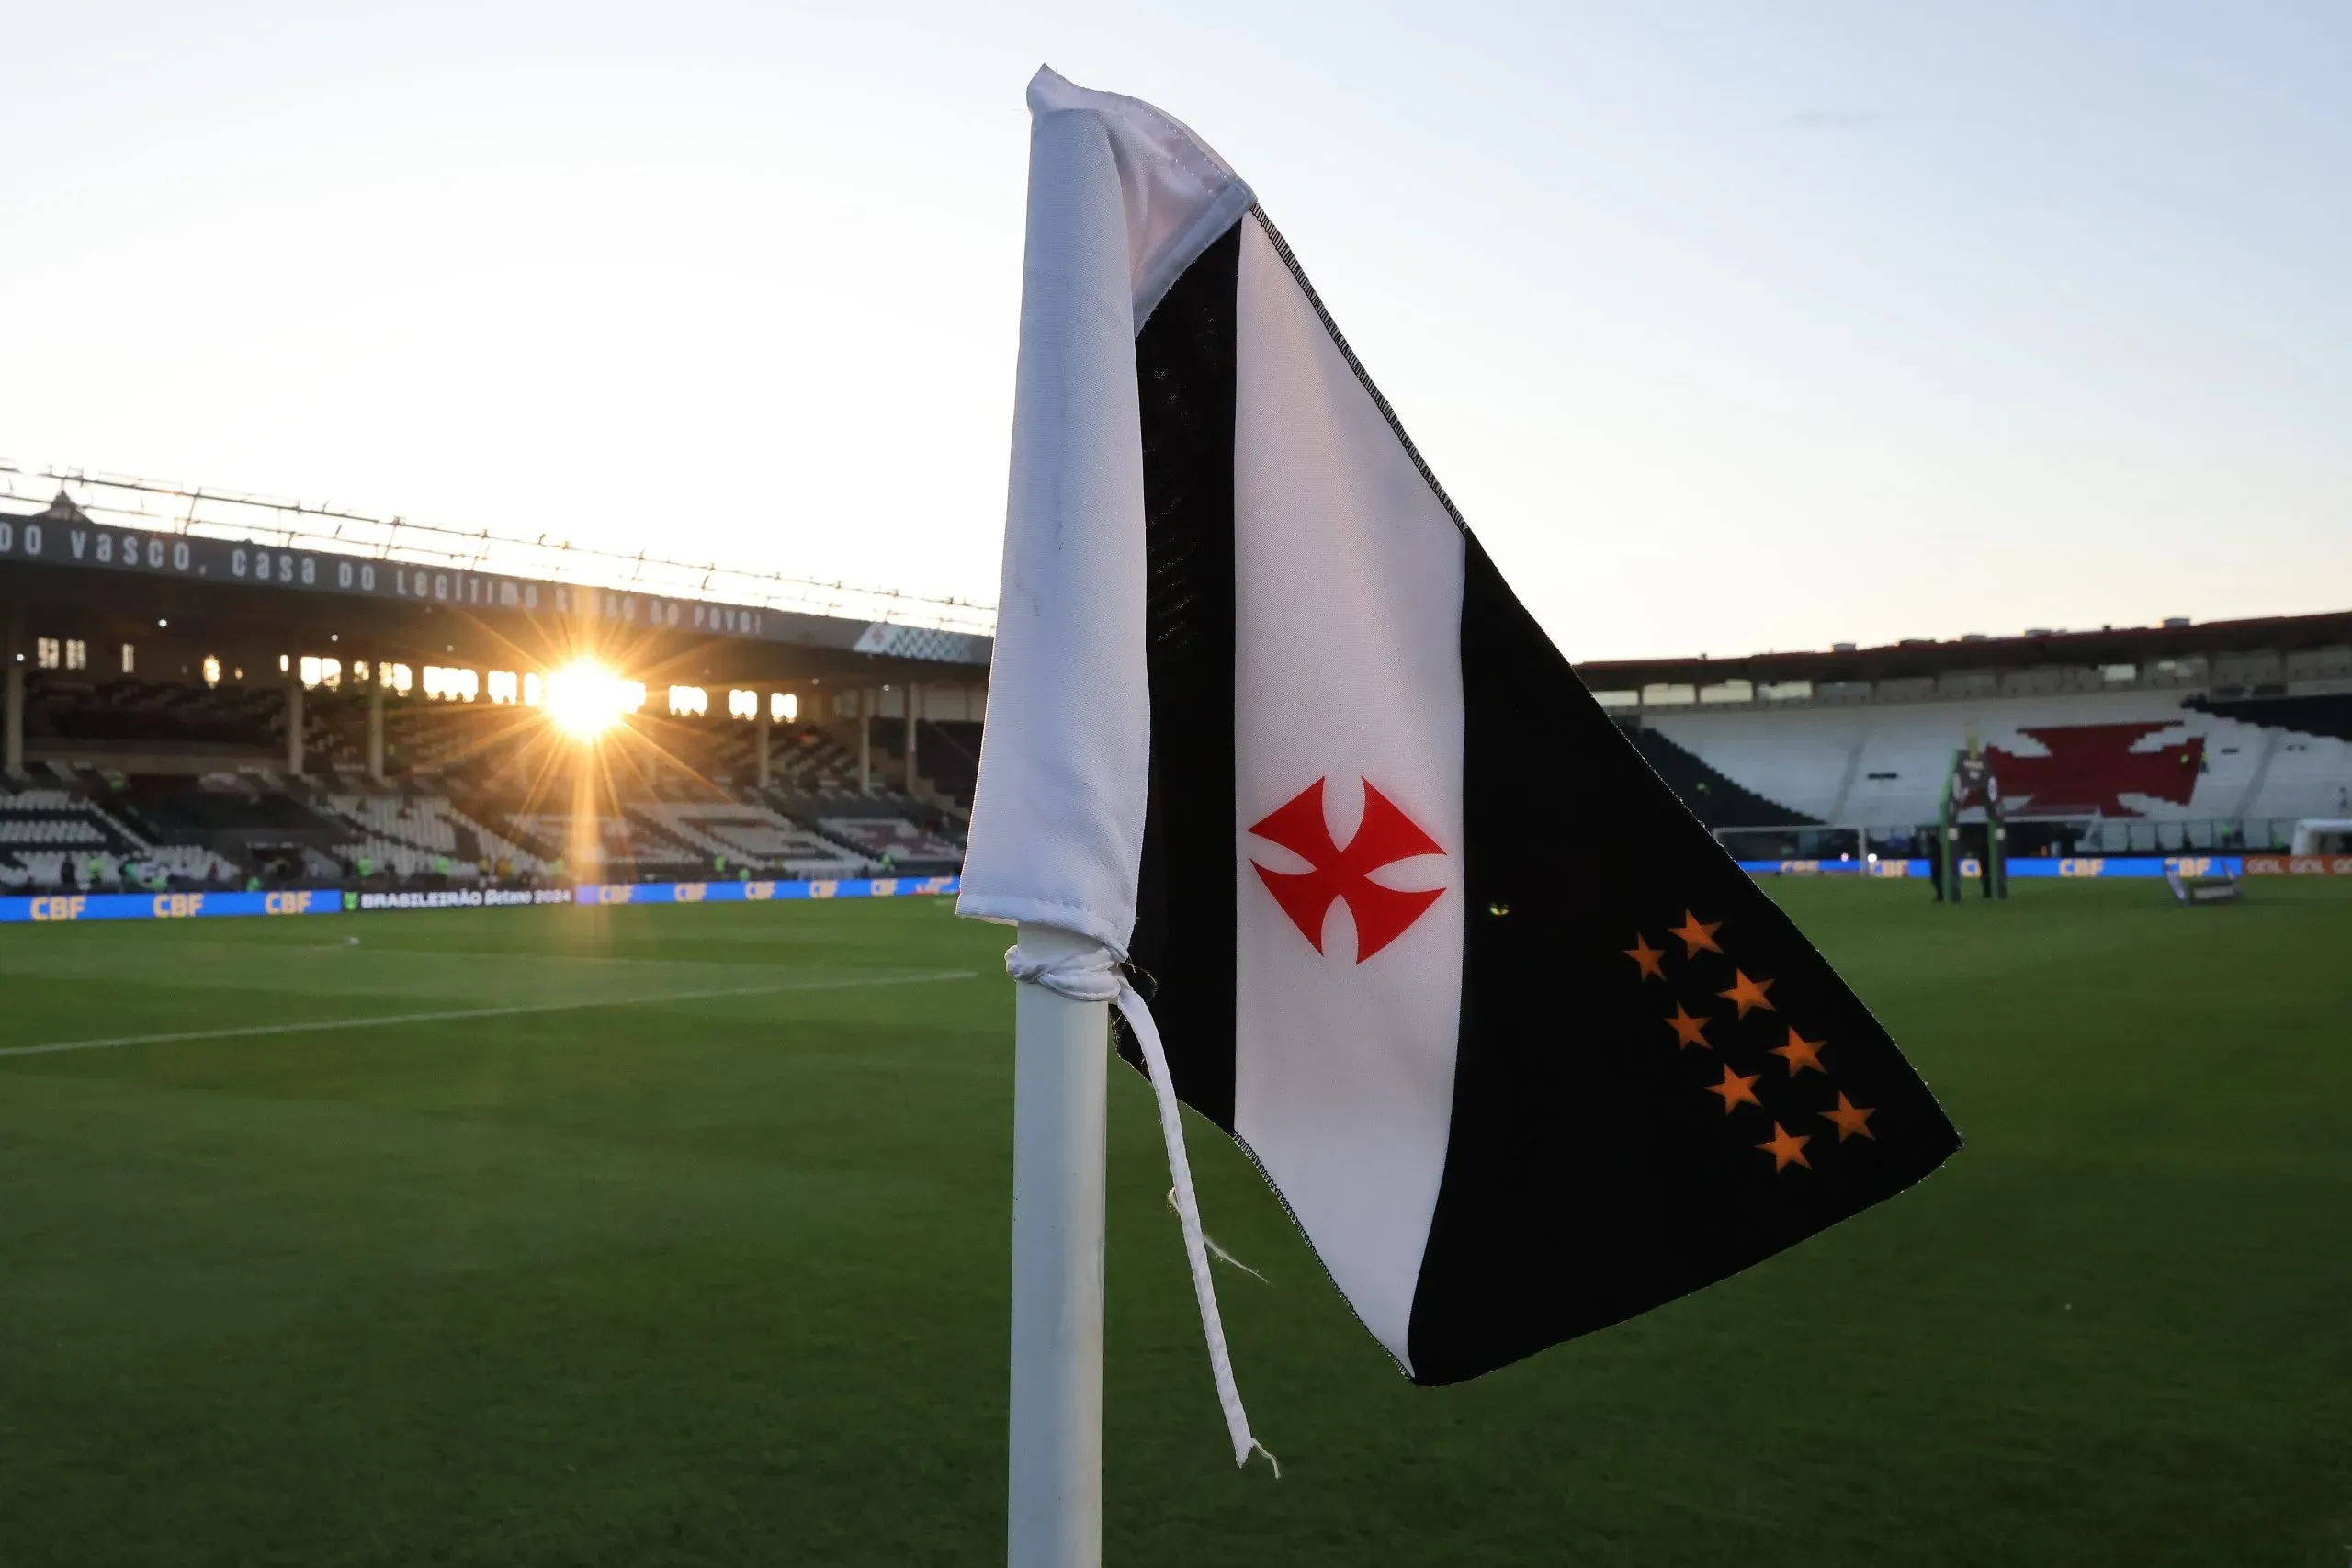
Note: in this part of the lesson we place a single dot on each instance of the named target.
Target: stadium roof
(2108, 645)
(328, 529)
(96, 549)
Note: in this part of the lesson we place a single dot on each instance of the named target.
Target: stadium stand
(480, 796)
(218, 814)
(138, 782)
(948, 750)
(2327, 715)
(751, 837)
(893, 843)
(1717, 799)
(57, 837)
(415, 836)
(626, 850)
(259, 738)
(2132, 768)
(130, 716)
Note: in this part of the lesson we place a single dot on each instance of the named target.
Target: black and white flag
(1520, 1048)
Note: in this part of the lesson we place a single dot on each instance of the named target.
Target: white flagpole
(1061, 1053)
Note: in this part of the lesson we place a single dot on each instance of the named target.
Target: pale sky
(1729, 326)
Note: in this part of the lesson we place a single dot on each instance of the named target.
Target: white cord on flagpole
(1091, 974)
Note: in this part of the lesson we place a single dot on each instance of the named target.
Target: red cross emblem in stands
(1385, 836)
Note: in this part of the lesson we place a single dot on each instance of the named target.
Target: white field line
(454, 1014)
(343, 944)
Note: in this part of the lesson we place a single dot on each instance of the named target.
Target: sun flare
(584, 699)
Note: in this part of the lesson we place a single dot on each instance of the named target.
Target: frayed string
(1220, 1253)
(1094, 975)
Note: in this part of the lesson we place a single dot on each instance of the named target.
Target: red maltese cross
(1385, 836)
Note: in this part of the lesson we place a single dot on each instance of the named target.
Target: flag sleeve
(1121, 198)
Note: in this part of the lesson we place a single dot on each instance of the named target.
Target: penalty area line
(455, 1014)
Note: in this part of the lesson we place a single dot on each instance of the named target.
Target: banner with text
(47, 907)
(2028, 866)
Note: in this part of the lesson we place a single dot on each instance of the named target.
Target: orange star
(1786, 1148)
(1736, 1091)
(1688, 1030)
(1851, 1118)
(1801, 1053)
(1748, 993)
(1643, 954)
(1696, 937)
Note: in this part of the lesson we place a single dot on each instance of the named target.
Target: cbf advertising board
(44, 909)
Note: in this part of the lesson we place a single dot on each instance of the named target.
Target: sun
(584, 699)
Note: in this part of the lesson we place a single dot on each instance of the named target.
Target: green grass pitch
(687, 1245)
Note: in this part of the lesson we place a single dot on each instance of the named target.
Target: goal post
(1807, 842)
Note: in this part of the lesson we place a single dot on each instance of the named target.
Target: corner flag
(1267, 728)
